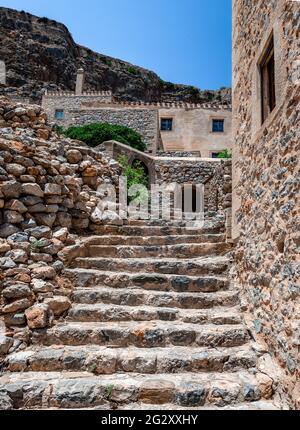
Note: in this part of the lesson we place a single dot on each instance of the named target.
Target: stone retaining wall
(48, 194)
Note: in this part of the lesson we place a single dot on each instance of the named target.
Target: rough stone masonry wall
(267, 253)
(48, 194)
(144, 121)
(68, 102)
(86, 109)
(214, 174)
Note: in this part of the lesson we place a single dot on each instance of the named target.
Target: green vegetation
(59, 129)
(95, 134)
(132, 70)
(226, 154)
(135, 175)
(109, 390)
(169, 85)
(106, 61)
(193, 90)
(93, 368)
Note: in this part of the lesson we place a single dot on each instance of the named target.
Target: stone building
(266, 211)
(203, 129)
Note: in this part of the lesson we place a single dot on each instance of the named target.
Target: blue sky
(183, 41)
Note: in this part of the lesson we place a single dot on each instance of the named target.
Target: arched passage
(145, 166)
(140, 164)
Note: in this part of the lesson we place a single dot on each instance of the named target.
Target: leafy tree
(97, 133)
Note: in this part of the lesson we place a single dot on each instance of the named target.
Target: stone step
(41, 390)
(154, 281)
(209, 227)
(262, 405)
(105, 313)
(143, 335)
(139, 297)
(154, 240)
(101, 360)
(167, 251)
(192, 267)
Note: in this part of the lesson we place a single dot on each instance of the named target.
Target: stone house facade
(266, 210)
(204, 129)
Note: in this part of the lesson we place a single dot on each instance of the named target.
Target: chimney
(79, 82)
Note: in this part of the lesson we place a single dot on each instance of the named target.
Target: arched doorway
(138, 164)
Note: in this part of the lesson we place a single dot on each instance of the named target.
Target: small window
(215, 154)
(166, 124)
(267, 76)
(218, 126)
(59, 114)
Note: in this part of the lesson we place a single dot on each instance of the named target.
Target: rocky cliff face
(41, 54)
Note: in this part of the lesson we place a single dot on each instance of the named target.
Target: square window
(59, 114)
(218, 126)
(267, 80)
(166, 124)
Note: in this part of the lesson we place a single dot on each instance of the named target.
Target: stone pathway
(155, 324)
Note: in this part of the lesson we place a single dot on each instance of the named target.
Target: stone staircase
(155, 324)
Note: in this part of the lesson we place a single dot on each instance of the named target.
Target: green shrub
(95, 134)
(106, 61)
(132, 70)
(226, 154)
(59, 129)
(193, 90)
(135, 175)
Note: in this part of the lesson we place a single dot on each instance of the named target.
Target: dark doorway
(190, 199)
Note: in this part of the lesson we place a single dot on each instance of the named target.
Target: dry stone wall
(48, 194)
(268, 216)
(214, 174)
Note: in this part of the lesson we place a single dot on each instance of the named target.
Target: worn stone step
(139, 297)
(154, 240)
(148, 281)
(144, 335)
(262, 405)
(209, 227)
(167, 251)
(102, 360)
(193, 267)
(34, 390)
(105, 312)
